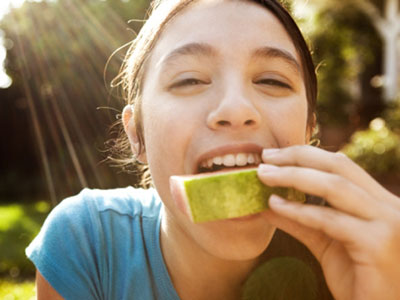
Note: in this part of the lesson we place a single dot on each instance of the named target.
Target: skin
(44, 290)
(230, 104)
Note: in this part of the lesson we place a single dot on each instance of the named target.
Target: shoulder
(87, 234)
(92, 214)
(128, 201)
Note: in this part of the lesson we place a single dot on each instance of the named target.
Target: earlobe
(128, 120)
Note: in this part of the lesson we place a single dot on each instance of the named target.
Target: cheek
(288, 121)
(168, 128)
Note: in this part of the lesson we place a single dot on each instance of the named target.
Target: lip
(227, 149)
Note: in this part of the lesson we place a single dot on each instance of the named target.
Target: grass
(15, 290)
(19, 224)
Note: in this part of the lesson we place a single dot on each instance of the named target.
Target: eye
(188, 82)
(273, 82)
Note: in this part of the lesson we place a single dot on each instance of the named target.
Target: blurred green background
(57, 108)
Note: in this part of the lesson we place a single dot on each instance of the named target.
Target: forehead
(236, 27)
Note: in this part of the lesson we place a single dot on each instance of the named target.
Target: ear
(128, 120)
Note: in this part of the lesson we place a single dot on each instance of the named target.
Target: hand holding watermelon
(357, 239)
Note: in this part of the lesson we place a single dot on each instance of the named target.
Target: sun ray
(66, 50)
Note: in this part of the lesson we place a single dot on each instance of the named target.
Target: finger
(334, 224)
(339, 192)
(336, 163)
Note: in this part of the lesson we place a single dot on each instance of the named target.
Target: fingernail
(270, 151)
(264, 168)
(276, 200)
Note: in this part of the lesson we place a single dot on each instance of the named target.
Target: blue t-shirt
(104, 244)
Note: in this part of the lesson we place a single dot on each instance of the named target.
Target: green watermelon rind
(231, 195)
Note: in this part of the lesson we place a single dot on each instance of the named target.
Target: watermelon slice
(226, 194)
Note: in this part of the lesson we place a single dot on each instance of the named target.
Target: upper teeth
(231, 160)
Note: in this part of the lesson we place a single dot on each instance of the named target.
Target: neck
(197, 274)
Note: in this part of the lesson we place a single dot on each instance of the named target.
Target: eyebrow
(278, 53)
(202, 49)
(192, 49)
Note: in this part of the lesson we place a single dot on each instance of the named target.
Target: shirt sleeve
(67, 249)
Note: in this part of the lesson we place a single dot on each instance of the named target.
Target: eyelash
(187, 82)
(194, 81)
(274, 82)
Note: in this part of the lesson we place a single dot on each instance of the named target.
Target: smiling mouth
(229, 161)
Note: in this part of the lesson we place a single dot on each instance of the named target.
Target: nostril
(223, 123)
(249, 122)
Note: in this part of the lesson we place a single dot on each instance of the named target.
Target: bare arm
(44, 290)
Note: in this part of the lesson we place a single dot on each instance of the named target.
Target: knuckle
(287, 175)
(308, 147)
(386, 241)
(297, 151)
(330, 216)
(293, 172)
(338, 182)
(341, 158)
(327, 219)
(286, 172)
(335, 186)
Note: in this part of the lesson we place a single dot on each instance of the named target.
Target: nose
(235, 110)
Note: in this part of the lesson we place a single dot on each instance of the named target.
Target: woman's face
(223, 79)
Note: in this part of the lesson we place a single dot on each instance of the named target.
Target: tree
(387, 25)
(347, 51)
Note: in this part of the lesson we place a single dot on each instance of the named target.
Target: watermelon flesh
(224, 195)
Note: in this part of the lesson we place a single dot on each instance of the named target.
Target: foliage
(347, 50)
(14, 290)
(376, 149)
(392, 116)
(19, 224)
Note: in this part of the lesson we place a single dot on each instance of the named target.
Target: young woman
(226, 81)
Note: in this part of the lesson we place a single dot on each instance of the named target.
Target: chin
(239, 242)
